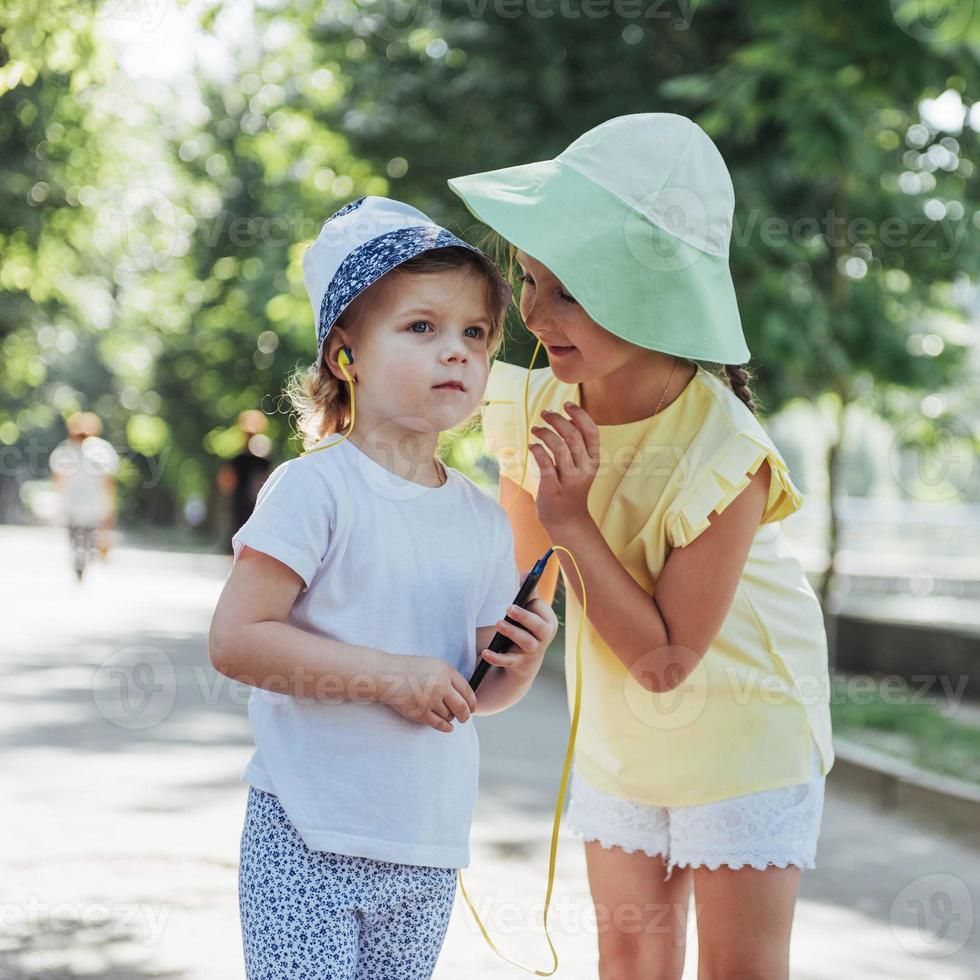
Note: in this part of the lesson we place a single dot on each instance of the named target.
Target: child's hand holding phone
(534, 627)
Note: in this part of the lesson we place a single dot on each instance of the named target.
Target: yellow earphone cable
(527, 425)
(573, 730)
(344, 360)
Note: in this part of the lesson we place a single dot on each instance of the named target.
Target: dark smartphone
(499, 643)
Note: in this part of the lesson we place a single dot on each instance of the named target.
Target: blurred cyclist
(83, 467)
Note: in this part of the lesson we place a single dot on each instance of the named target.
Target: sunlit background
(163, 166)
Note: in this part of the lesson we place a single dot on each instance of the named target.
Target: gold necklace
(666, 386)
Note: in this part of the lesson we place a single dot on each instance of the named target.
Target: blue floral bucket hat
(362, 242)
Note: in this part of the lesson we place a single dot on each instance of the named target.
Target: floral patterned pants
(316, 915)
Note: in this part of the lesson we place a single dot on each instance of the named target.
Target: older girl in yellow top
(705, 735)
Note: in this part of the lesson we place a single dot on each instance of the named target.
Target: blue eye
(425, 323)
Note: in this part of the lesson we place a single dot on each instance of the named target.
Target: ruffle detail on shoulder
(722, 480)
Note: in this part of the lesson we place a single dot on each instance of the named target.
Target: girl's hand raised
(537, 626)
(563, 494)
(428, 691)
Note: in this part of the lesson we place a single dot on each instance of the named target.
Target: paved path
(122, 807)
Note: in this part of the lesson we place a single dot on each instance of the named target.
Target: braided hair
(738, 378)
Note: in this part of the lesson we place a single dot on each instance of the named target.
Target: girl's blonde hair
(321, 401)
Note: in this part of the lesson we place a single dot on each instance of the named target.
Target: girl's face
(415, 333)
(578, 348)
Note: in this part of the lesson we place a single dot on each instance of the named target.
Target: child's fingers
(503, 659)
(559, 448)
(572, 435)
(515, 634)
(539, 607)
(440, 724)
(588, 428)
(531, 620)
(457, 705)
(461, 684)
(543, 611)
(545, 463)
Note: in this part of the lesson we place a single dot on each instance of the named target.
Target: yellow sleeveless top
(743, 720)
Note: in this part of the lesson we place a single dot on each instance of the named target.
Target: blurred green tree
(152, 258)
(50, 66)
(856, 218)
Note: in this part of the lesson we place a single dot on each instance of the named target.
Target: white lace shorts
(773, 827)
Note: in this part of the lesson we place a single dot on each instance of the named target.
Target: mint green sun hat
(635, 219)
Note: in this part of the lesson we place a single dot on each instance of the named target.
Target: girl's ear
(338, 352)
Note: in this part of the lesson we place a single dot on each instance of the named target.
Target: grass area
(910, 722)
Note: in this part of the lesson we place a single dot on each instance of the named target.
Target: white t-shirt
(400, 567)
(86, 501)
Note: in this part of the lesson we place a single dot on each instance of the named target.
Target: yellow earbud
(343, 359)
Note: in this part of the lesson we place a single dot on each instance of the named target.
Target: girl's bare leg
(641, 919)
(745, 916)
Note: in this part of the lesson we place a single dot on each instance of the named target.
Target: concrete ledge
(920, 650)
(896, 785)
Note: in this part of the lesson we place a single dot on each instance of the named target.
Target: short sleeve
(292, 518)
(63, 460)
(93, 457)
(102, 456)
(721, 479)
(505, 579)
(502, 415)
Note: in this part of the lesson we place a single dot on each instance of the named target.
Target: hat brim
(376, 270)
(631, 276)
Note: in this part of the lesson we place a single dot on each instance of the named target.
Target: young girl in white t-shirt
(366, 583)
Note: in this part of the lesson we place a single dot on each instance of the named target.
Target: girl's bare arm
(251, 642)
(531, 540)
(661, 638)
